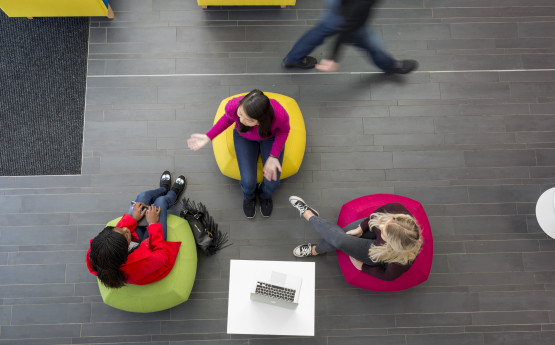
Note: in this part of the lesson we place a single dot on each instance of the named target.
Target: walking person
(346, 19)
(261, 127)
(383, 245)
(130, 253)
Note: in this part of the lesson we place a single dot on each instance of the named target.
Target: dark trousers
(333, 238)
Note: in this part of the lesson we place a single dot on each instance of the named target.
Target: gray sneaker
(301, 205)
(303, 250)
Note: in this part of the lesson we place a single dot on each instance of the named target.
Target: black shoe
(404, 67)
(307, 62)
(266, 207)
(179, 186)
(249, 207)
(166, 180)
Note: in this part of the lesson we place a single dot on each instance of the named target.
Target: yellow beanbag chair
(281, 3)
(168, 292)
(224, 148)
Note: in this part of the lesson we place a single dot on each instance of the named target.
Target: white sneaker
(303, 250)
(301, 205)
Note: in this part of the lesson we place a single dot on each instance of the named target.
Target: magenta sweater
(280, 126)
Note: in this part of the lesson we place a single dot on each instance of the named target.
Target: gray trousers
(333, 238)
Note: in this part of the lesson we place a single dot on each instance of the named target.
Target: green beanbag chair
(168, 292)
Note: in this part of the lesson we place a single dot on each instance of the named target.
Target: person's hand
(355, 232)
(270, 168)
(138, 211)
(152, 214)
(326, 65)
(197, 141)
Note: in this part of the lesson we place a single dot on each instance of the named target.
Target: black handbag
(207, 236)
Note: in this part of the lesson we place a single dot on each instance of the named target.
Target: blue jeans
(156, 197)
(328, 26)
(247, 152)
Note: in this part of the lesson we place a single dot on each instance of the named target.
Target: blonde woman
(383, 245)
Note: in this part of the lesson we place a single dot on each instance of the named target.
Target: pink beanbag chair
(419, 271)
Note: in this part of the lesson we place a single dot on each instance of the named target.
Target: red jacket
(152, 260)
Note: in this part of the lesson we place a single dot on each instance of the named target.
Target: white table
(249, 317)
(545, 212)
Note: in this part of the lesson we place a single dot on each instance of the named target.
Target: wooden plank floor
(471, 135)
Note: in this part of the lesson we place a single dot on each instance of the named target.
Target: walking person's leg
(366, 39)
(328, 25)
(267, 187)
(247, 152)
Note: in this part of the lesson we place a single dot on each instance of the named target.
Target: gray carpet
(43, 66)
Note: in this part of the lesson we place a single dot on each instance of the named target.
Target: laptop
(276, 288)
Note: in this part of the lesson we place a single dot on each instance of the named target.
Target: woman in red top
(384, 245)
(129, 252)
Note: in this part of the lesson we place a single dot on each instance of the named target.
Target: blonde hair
(404, 238)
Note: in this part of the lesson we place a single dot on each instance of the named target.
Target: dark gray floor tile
(500, 158)
(515, 301)
(428, 159)
(489, 62)
(509, 338)
(140, 67)
(31, 274)
(484, 30)
(527, 123)
(536, 29)
(408, 125)
(532, 89)
(489, 224)
(433, 195)
(511, 318)
(474, 90)
(536, 261)
(407, 91)
(476, 138)
(51, 314)
(499, 262)
(41, 331)
(416, 31)
(538, 61)
(356, 161)
(504, 193)
(420, 320)
(117, 35)
(120, 328)
(546, 157)
(502, 246)
(5, 317)
(459, 339)
(180, 95)
(386, 340)
(46, 341)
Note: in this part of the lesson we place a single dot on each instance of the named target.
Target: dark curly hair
(109, 250)
(257, 106)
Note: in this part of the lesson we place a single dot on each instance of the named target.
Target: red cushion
(419, 271)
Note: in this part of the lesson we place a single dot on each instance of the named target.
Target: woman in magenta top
(261, 126)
